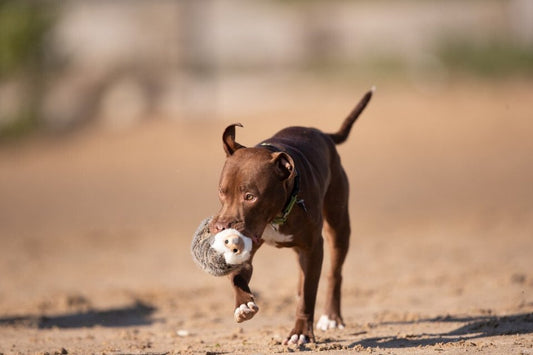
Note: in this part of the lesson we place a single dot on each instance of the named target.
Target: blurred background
(65, 66)
(111, 114)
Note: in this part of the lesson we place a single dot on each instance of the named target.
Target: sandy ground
(95, 229)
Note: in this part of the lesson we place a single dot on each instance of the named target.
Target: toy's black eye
(226, 241)
(249, 197)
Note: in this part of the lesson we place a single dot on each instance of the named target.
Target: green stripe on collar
(278, 221)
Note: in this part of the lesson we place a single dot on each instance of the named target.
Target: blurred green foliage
(23, 28)
(494, 59)
(23, 31)
(454, 58)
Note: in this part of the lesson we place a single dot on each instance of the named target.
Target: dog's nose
(223, 224)
(234, 243)
(219, 227)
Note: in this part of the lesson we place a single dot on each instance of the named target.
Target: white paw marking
(231, 257)
(296, 339)
(245, 312)
(272, 236)
(324, 323)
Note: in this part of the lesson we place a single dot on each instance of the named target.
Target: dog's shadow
(135, 315)
(474, 328)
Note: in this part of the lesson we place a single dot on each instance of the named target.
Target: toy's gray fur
(206, 257)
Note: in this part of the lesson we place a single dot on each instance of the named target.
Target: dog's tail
(344, 131)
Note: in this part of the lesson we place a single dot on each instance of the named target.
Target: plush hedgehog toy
(221, 253)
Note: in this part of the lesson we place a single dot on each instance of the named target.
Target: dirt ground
(95, 228)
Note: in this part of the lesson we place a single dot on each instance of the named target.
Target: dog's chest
(273, 237)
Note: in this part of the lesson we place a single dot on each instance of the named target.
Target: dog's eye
(249, 197)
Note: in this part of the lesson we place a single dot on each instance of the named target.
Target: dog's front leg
(245, 307)
(310, 261)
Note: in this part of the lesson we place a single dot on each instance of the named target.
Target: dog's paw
(326, 323)
(245, 312)
(301, 334)
(296, 339)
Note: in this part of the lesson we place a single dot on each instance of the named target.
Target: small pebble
(182, 333)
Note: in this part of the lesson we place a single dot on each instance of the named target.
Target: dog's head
(254, 186)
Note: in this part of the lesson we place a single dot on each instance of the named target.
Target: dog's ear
(228, 138)
(284, 165)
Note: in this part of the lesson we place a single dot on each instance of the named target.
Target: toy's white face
(233, 245)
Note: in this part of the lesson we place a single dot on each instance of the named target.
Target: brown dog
(286, 191)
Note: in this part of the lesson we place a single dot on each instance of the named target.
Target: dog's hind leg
(337, 235)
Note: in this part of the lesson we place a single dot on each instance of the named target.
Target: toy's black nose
(234, 243)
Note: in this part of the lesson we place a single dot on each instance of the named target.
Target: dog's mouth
(240, 228)
(255, 237)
